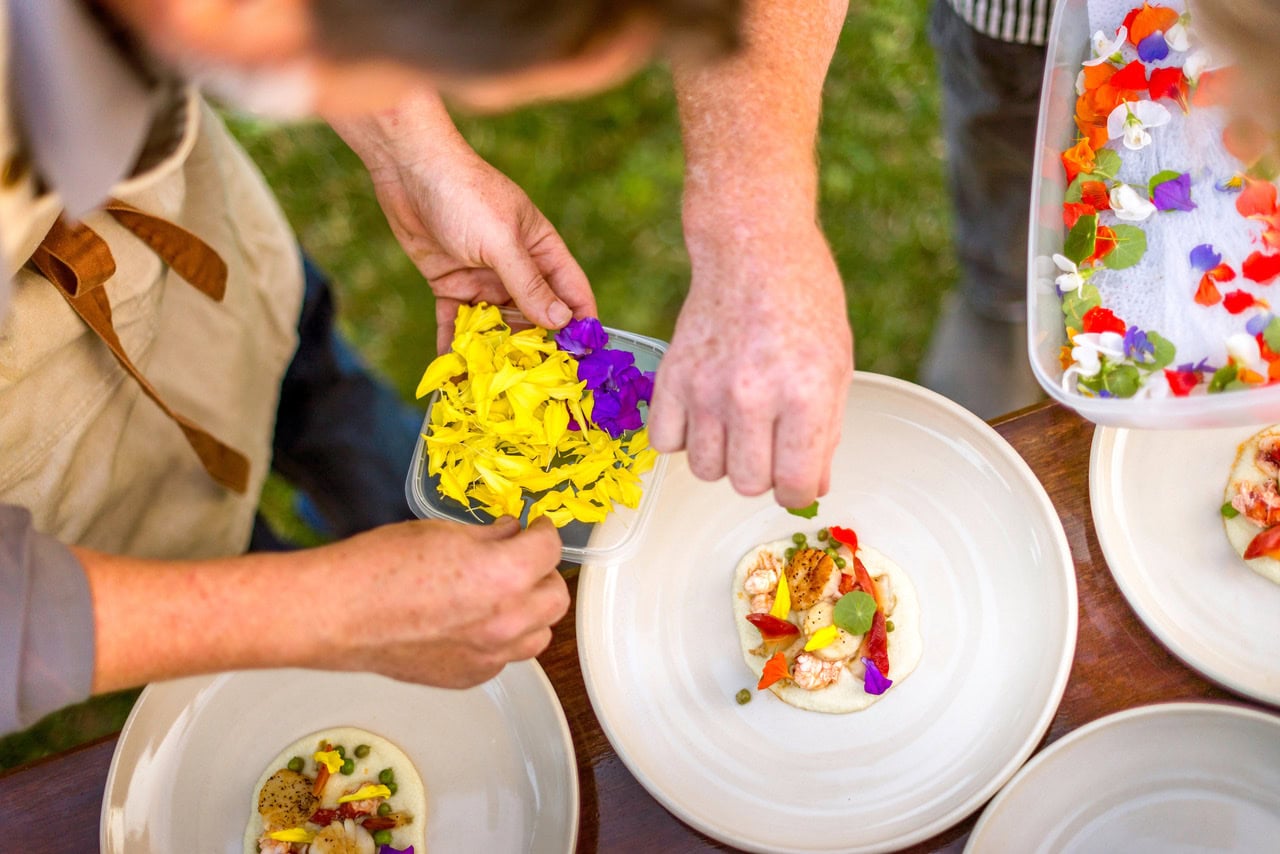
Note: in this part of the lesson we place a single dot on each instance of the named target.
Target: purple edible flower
(387, 849)
(1103, 393)
(619, 387)
(581, 337)
(1203, 367)
(1204, 258)
(1258, 323)
(1153, 48)
(875, 682)
(1137, 345)
(1174, 195)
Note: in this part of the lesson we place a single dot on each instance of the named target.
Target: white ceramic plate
(497, 760)
(1177, 777)
(939, 492)
(1156, 497)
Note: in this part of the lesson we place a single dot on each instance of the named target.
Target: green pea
(362, 750)
(841, 563)
(342, 751)
(824, 534)
(790, 553)
(743, 697)
(393, 787)
(296, 764)
(386, 776)
(798, 539)
(832, 553)
(384, 808)
(348, 767)
(888, 625)
(382, 837)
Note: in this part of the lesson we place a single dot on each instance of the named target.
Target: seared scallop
(811, 575)
(286, 800)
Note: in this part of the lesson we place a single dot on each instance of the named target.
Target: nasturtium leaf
(1106, 164)
(854, 612)
(1082, 239)
(1131, 245)
(1223, 377)
(1076, 304)
(1229, 512)
(804, 512)
(1165, 352)
(1272, 335)
(1122, 380)
(1159, 178)
(1075, 190)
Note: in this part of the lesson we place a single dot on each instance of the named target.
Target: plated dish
(193, 753)
(947, 498)
(1157, 498)
(1170, 777)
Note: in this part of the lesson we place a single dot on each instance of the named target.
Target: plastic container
(614, 539)
(1069, 45)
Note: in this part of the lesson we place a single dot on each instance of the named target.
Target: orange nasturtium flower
(1079, 158)
(1149, 20)
(775, 669)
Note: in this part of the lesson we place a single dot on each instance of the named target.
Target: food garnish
(855, 611)
(772, 628)
(1266, 544)
(807, 512)
(775, 669)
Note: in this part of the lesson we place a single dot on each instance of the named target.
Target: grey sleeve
(46, 624)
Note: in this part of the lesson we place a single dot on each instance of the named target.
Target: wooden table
(53, 804)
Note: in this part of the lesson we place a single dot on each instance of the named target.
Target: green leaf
(1272, 335)
(854, 612)
(1122, 380)
(1075, 190)
(1074, 305)
(1165, 352)
(1223, 377)
(804, 512)
(1159, 178)
(1131, 245)
(1082, 239)
(1229, 512)
(1106, 164)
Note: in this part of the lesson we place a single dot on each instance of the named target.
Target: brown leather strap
(78, 261)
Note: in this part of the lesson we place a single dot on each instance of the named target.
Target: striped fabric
(1020, 21)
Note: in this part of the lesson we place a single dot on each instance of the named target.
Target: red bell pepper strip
(1266, 544)
(867, 585)
(847, 583)
(771, 628)
(845, 536)
(774, 670)
(878, 643)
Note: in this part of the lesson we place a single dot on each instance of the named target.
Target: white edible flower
(1155, 386)
(1086, 354)
(1244, 350)
(1177, 37)
(1070, 280)
(1197, 63)
(1080, 83)
(1131, 119)
(1127, 204)
(1103, 49)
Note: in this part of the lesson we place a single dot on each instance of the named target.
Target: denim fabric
(990, 101)
(342, 436)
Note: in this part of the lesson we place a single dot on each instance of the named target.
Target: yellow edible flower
(824, 636)
(330, 759)
(782, 602)
(364, 793)
(293, 834)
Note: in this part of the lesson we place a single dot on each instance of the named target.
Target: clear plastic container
(614, 539)
(1069, 45)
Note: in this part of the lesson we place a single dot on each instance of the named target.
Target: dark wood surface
(53, 805)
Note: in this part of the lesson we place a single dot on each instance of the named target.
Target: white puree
(410, 796)
(847, 694)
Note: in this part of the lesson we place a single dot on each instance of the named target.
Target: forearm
(750, 122)
(158, 620)
(419, 128)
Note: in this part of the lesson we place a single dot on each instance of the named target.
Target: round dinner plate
(943, 495)
(1156, 496)
(497, 759)
(1176, 777)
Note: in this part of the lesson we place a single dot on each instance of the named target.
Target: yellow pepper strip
(293, 834)
(824, 636)
(782, 602)
(364, 793)
(330, 759)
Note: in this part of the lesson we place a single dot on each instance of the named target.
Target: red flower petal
(1078, 158)
(1105, 243)
(1257, 199)
(1261, 268)
(1222, 273)
(1099, 319)
(1207, 294)
(1169, 83)
(1237, 301)
(1132, 76)
(1181, 382)
(1072, 211)
(1095, 195)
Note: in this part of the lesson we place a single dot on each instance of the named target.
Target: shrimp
(267, 845)
(344, 837)
(365, 807)
(811, 673)
(1259, 504)
(1268, 456)
(761, 583)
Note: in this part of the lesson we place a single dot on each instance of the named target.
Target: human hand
(755, 381)
(439, 603)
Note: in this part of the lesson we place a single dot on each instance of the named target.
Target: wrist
(415, 131)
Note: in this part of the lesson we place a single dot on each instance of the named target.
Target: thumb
(528, 287)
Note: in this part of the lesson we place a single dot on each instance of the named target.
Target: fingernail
(559, 313)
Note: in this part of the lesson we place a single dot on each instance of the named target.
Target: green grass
(607, 173)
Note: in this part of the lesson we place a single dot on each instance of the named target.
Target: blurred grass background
(607, 173)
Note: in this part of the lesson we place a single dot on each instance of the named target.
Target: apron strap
(78, 262)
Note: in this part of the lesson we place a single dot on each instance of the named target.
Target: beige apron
(96, 460)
